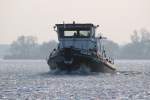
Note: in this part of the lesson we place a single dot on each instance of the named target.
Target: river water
(31, 80)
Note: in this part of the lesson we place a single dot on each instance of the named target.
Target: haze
(117, 18)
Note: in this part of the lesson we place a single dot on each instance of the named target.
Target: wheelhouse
(75, 30)
(75, 35)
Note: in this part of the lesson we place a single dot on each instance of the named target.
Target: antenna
(73, 22)
(64, 24)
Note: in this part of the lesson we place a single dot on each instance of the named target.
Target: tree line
(27, 47)
(138, 48)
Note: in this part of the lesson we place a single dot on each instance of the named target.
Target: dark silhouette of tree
(26, 47)
(145, 35)
(135, 37)
(138, 48)
(22, 48)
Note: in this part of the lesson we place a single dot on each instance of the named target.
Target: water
(31, 80)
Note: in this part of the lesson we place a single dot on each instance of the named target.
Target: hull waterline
(76, 62)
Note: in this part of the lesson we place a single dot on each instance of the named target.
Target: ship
(79, 48)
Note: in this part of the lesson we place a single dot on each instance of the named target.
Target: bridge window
(77, 33)
(85, 33)
(69, 33)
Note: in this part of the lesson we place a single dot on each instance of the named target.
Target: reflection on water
(32, 80)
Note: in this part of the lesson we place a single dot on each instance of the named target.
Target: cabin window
(85, 33)
(77, 33)
(75, 30)
(69, 33)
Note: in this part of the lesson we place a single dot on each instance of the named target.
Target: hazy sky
(117, 18)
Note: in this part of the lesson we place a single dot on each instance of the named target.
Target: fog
(27, 47)
(117, 19)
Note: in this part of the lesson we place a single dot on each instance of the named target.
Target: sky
(117, 18)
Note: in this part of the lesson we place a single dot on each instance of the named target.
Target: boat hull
(77, 61)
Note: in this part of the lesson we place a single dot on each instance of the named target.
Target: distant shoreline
(22, 59)
(46, 59)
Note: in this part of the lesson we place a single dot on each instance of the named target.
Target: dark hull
(93, 64)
